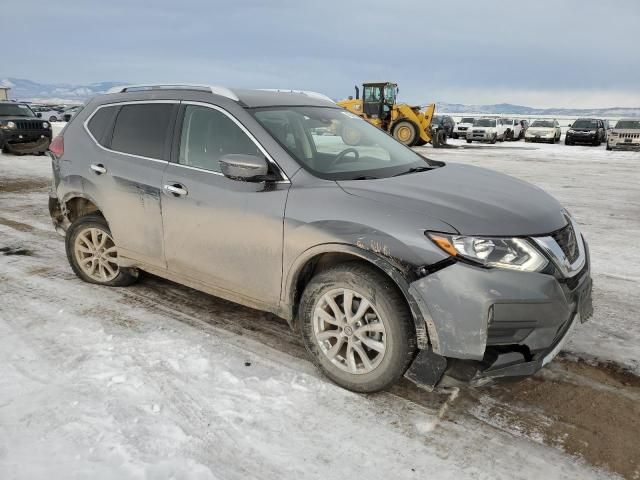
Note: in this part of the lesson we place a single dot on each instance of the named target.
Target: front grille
(462, 129)
(29, 125)
(630, 135)
(566, 240)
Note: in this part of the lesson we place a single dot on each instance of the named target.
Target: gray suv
(388, 263)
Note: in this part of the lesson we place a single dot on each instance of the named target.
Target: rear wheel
(469, 141)
(494, 139)
(608, 146)
(454, 135)
(405, 132)
(93, 255)
(357, 327)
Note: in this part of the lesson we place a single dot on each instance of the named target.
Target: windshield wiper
(365, 177)
(412, 170)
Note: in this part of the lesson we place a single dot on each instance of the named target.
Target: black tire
(567, 142)
(401, 126)
(454, 135)
(469, 141)
(494, 139)
(609, 146)
(53, 118)
(125, 276)
(394, 313)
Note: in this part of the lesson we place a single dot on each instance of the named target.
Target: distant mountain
(507, 108)
(22, 89)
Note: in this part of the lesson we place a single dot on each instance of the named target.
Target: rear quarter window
(100, 123)
(143, 129)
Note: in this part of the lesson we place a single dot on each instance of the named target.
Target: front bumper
(480, 136)
(623, 144)
(504, 322)
(581, 137)
(538, 138)
(26, 141)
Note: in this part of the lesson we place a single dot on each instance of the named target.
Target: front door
(223, 232)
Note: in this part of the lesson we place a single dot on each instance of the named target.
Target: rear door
(225, 233)
(128, 173)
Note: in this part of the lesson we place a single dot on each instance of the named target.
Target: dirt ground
(586, 407)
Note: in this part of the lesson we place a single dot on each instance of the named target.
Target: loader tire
(406, 132)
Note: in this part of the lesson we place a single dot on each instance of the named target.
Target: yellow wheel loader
(408, 124)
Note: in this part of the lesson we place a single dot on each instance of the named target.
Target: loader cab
(378, 99)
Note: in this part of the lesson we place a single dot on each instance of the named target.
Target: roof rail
(308, 93)
(215, 89)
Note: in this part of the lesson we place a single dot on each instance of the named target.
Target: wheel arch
(321, 257)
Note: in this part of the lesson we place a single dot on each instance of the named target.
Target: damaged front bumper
(491, 323)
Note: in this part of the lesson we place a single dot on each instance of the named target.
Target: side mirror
(246, 168)
(569, 124)
(39, 115)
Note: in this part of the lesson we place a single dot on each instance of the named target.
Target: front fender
(387, 265)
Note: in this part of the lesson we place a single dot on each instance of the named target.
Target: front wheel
(93, 255)
(357, 327)
(405, 132)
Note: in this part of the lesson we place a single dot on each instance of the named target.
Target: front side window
(207, 135)
(334, 144)
(143, 129)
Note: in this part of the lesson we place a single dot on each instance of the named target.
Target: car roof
(245, 97)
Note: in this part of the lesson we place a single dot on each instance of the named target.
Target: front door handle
(98, 168)
(176, 189)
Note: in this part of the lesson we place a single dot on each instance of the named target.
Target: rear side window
(100, 124)
(142, 129)
(208, 134)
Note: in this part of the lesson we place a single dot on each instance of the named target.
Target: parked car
(586, 130)
(460, 130)
(386, 262)
(21, 131)
(47, 113)
(543, 131)
(513, 129)
(625, 135)
(486, 130)
(70, 112)
(444, 123)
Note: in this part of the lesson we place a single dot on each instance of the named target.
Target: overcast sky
(541, 53)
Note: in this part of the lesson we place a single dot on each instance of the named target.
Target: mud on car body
(386, 262)
(21, 131)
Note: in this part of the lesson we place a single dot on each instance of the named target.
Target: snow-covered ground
(158, 381)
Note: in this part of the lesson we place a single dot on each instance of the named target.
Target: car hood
(473, 200)
(11, 118)
(541, 129)
(626, 130)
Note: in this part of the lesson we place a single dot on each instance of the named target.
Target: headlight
(512, 253)
(9, 125)
(570, 131)
(45, 124)
(593, 131)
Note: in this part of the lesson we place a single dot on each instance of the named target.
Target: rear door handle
(176, 189)
(98, 168)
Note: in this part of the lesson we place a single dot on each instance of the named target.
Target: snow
(133, 383)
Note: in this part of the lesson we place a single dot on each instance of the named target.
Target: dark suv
(21, 131)
(586, 130)
(388, 263)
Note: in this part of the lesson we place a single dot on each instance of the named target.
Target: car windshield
(467, 120)
(17, 110)
(585, 124)
(543, 123)
(335, 144)
(484, 122)
(628, 124)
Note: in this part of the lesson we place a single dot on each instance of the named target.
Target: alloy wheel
(96, 254)
(349, 331)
